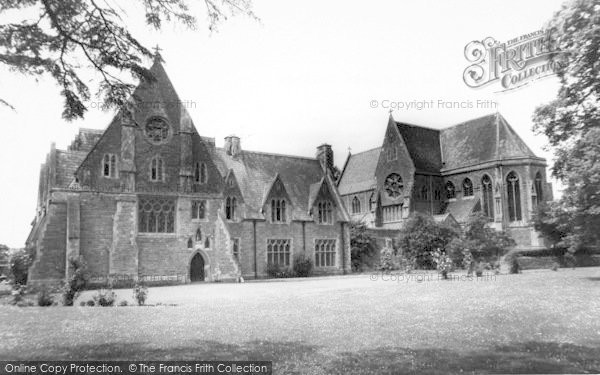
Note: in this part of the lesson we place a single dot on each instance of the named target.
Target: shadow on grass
(299, 358)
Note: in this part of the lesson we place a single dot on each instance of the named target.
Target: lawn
(537, 321)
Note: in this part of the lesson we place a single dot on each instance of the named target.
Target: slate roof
(480, 140)
(359, 172)
(423, 145)
(67, 163)
(461, 209)
(256, 171)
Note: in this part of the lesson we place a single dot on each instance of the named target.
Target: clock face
(157, 130)
(393, 185)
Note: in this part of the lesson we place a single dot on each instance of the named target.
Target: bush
(362, 247)
(554, 266)
(19, 263)
(77, 281)
(443, 263)
(105, 298)
(303, 265)
(386, 260)
(276, 271)
(82, 303)
(514, 265)
(123, 303)
(91, 303)
(18, 295)
(45, 298)
(140, 294)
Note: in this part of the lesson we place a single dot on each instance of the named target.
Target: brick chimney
(233, 146)
(325, 156)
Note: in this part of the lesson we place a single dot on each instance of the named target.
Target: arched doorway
(197, 268)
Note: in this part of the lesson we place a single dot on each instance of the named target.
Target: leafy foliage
(140, 293)
(19, 263)
(483, 242)
(386, 260)
(76, 282)
(65, 31)
(45, 297)
(362, 246)
(105, 298)
(421, 236)
(443, 262)
(303, 266)
(571, 123)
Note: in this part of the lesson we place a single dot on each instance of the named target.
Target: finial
(157, 55)
(349, 150)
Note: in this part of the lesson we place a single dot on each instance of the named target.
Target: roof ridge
(274, 154)
(417, 126)
(365, 151)
(473, 119)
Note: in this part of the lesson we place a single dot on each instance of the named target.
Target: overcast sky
(305, 74)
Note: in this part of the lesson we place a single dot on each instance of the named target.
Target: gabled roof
(481, 140)
(463, 208)
(359, 172)
(66, 164)
(423, 145)
(256, 171)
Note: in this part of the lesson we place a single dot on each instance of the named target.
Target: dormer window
(278, 210)
(157, 169)
(325, 212)
(109, 166)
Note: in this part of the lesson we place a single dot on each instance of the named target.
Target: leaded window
(230, 208)
(278, 252)
(199, 210)
(392, 213)
(467, 187)
(487, 196)
(424, 193)
(539, 192)
(235, 248)
(157, 130)
(450, 190)
(109, 165)
(325, 212)
(278, 210)
(200, 173)
(156, 215)
(324, 253)
(356, 205)
(393, 185)
(157, 169)
(514, 197)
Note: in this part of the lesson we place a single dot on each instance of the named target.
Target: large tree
(571, 122)
(65, 37)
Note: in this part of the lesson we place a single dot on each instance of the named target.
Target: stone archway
(197, 268)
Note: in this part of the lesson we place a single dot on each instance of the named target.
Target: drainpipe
(343, 243)
(254, 246)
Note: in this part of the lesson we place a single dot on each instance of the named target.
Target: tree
(19, 262)
(421, 236)
(362, 246)
(486, 243)
(64, 31)
(571, 122)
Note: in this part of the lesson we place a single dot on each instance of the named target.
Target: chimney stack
(233, 145)
(325, 157)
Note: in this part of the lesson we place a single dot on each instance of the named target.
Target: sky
(308, 72)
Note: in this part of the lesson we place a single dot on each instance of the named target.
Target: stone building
(149, 198)
(481, 165)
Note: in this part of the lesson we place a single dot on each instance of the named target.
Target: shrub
(386, 260)
(76, 282)
(273, 270)
(514, 265)
(18, 295)
(19, 263)
(82, 303)
(91, 303)
(105, 297)
(45, 298)
(554, 266)
(123, 303)
(443, 262)
(479, 269)
(362, 247)
(303, 265)
(140, 294)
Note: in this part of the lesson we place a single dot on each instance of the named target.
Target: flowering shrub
(443, 262)
(105, 298)
(140, 293)
(386, 261)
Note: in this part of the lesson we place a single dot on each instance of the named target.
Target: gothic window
(450, 190)
(230, 208)
(278, 252)
(207, 242)
(514, 197)
(324, 253)
(203, 173)
(157, 169)
(278, 211)
(190, 243)
(424, 193)
(355, 205)
(199, 209)
(109, 165)
(437, 194)
(539, 192)
(235, 248)
(467, 187)
(392, 213)
(156, 215)
(325, 212)
(198, 235)
(487, 196)
(393, 185)
(156, 130)
(391, 153)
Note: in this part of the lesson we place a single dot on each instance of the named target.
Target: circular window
(393, 185)
(157, 130)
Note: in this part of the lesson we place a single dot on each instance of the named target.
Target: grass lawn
(538, 321)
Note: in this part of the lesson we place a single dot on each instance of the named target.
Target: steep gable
(423, 145)
(359, 172)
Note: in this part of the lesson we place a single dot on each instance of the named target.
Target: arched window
(391, 153)
(109, 165)
(203, 173)
(230, 207)
(514, 197)
(372, 202)
(424, 193)
(355, 205)
(487, 196)
(467, 187)
(325, 212)
(190, 243)
(198, 235)
(157, 169)
(539, 191)
(207, 242)
(450, 190)
(278, 211)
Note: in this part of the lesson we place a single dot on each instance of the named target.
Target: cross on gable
(157, 50)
